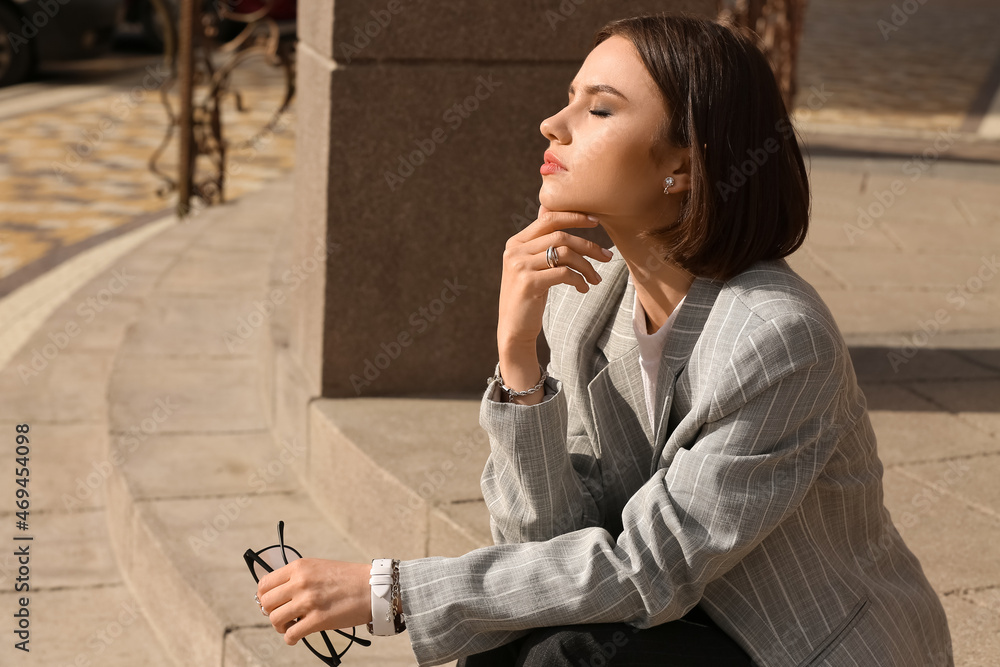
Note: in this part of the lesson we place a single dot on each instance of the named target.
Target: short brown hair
(749, 196)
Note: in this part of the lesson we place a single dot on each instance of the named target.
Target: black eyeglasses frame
(251, 557)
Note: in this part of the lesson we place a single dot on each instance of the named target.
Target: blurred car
(33, 31)
(144, 13)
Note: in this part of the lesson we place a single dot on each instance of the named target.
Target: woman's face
(603, 139)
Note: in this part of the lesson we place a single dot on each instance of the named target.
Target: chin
(559, 201)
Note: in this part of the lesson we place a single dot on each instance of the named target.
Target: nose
(550, 127)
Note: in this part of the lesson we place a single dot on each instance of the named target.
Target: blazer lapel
(617, 395)
(683, 335)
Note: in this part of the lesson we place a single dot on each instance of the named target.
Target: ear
(679, 167)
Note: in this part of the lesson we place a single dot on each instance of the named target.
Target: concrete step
(421, 457)
(200, 477)
(81, 609)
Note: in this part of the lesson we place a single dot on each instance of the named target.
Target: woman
(694, 479)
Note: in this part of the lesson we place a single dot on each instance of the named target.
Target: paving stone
(804, 262)
(898, 317)
(881, 271)
(190, 394)
(54, 389)
(971, 480)
(263, 647)
(119, 282)
(911, 429)
(974, 402)
(954, 341)
(92, 625)
(208, 271)
(975, 631)
(291, 403)
(832, 178)
(924, 236)
(200, 464)
(171, 243)
(857, 215)
(988, 597)
(254, 240)
(71, 550)
(96, 326)
(954, 544)
(154, 256)
(830, 228)
(183, 324)
(887, 364)
(67, 461)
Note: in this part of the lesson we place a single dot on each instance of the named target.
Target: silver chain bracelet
(391, 611)
(511, 392)
(395, 597)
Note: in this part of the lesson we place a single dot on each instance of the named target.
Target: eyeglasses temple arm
(250, 556)
(281, 540)
(357, 640)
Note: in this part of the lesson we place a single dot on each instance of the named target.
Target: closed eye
(600, 112)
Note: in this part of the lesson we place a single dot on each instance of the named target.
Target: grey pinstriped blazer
(758, 492)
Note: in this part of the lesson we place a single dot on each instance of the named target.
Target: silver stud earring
(668, 182)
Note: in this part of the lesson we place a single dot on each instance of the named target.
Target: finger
(275, 598)
(545, 277)
(306, 625)
(570, 270)
(550, 221)
(272, 579)
(572, 252)
(282, 617)
(565, 275)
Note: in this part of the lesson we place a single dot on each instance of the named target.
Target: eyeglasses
(278, 555)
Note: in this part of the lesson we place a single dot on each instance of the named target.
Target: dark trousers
(692, 641)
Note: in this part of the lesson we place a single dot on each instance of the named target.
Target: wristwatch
(385, 620)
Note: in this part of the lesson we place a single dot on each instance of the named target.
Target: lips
(551, 157)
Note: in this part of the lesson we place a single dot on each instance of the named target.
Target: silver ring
(264, 612)
(552, 257)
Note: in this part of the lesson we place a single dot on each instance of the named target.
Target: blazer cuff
(428, 605)
(494, 393)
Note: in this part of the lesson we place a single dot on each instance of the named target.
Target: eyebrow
(596, 88)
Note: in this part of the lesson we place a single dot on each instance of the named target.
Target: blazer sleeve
(542, 477)
(772, 426)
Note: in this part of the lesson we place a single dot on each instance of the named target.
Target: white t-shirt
(650, 348)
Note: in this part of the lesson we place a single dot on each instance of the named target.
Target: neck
(659, 284)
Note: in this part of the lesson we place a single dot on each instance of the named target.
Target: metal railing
(198, 60)
(779, 25)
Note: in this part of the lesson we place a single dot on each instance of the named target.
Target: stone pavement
(74, 157)
(153, 465)
(909, 67)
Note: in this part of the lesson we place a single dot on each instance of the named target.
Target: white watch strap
(381, 584)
